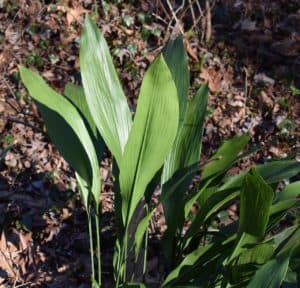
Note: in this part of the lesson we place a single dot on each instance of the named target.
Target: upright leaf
(67, 130)
(177, 61)
(151, 137)
(255, 202)
(104, 95)
(187, 146)
(76, 95)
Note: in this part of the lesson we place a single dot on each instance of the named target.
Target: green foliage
(162, 146)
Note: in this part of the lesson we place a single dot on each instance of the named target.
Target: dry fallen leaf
(213, 78)
(75, 14)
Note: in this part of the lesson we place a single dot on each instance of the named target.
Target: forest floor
(247, 51)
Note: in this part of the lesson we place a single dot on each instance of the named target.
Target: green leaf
(197, 261)
(104, 94)
(67, 130)
(140, 232)
(177, 61)
(247, 262)
(76, 95)
(151, 136)
(174, 192)
(255, 202)
(217, 165)
(280, 209)
(290, 191)
(182, 164)
(271, 274)
(271, 172)
(187, 145)
(224, 157)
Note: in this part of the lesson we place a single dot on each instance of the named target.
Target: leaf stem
(98, 247)
(91, 244)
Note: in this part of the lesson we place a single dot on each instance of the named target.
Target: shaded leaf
(67, 130)
(76, 95)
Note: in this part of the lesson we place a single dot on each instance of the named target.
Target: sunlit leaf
(151, 136)
(104, 95)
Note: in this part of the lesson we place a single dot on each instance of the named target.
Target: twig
(160, 18)
(13, 94)
(208, 21)
(192, 11)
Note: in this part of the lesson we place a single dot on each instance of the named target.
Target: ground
(247, 51)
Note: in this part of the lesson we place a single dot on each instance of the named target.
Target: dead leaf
(75, 14)
(213, 78)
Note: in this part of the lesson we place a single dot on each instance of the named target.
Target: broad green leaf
(189, 260)
(104, 95)
(177, 61)
(174, 192)
(212, 205)
(76, 95)
(181, 164)
(194, 262)
(217, 165)
(67, 130)
(271, 274)
(277, 268)
(255, 202)
(247, 262)
(151, 137)
(271, 172)
(224, 157)
(290, 191)
(187, 145)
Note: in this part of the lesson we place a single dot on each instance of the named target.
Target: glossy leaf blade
(255, 203)
(152, 135)
(271, 274)
(105, 97)
(187, 145)
(66, 129)
(271, 172)
(177, 61)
